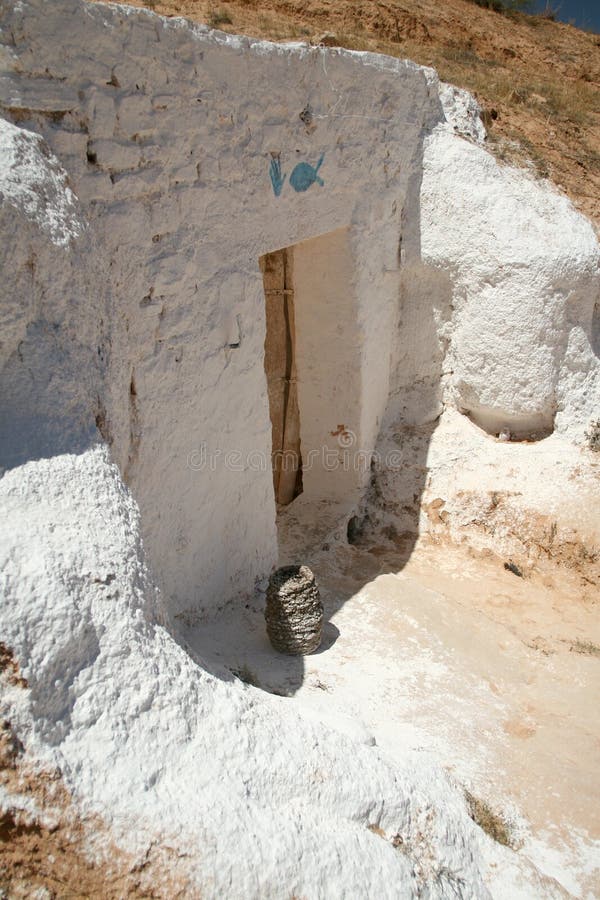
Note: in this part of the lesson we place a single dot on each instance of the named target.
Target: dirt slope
(46, 850)
(537, 80)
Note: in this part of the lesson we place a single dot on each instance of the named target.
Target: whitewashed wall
(329, 344)
(498, 291)
(189, 154)
(168, 133)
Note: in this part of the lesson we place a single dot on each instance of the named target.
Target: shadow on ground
(344, 551)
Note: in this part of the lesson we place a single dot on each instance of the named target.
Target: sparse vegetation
(300, 31)
(586, 648)
(592, 436)
(353, 41)
(217, 17)
(541, 645)
(549, 12)
(494, 824)
(504, 6)
(247, 675)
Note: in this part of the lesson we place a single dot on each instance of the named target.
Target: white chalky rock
(131, 240)
(462, 112)
(258, 801)
(523, 272)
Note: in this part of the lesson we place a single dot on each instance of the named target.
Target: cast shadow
(45, 405)
(377, 535)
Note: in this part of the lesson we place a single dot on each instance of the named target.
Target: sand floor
(436, 652)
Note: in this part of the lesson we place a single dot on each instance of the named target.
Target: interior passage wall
(329, 366)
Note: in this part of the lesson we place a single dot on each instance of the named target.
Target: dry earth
(46, 851)
(538, 81)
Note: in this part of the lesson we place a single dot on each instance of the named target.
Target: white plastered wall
(328, 360)
(468, 284)
(167, 132)
(516, 268)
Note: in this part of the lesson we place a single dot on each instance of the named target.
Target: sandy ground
(493, 676)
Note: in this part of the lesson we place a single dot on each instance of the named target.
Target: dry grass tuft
(593, 436)
(218, 17)
(494, 824)
(586, 648)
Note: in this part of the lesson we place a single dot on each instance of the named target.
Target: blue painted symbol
(305, 175)
(277, 179)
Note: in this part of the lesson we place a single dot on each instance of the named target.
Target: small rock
(328, 39)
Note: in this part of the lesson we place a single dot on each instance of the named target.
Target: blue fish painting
(304, 176)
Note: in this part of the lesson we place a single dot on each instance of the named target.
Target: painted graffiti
(277, 179)
(305, 175)
(302, 178)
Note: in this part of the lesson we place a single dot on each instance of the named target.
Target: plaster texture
(147, 164)
(175, 163)
(523, 269)
(246, 797)
(427, 275)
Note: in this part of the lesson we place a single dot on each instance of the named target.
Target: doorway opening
(313, 359)
(281, 372)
